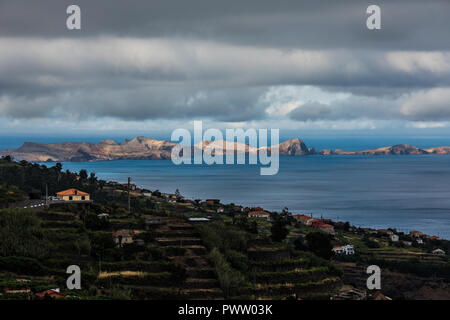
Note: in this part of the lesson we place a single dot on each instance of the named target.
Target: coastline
(306, 185)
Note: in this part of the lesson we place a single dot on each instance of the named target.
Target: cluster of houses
(122, 237)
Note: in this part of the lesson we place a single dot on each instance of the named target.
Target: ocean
(402, 192)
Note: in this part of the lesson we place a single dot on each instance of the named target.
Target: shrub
(21, 234)
(319, 243)
(22, 265)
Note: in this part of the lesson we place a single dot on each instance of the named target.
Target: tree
(93, 222)
(83, 175)
(279, 230)
(92, 178)
(299, 244)
(58, 167)
(244, 223)
(320, 244)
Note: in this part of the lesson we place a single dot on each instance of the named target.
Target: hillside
(169, 254)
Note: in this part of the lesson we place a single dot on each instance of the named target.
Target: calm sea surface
(404, 192)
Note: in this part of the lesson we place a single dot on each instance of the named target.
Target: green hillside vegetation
(228, 257)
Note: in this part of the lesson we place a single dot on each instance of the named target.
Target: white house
(347, 249)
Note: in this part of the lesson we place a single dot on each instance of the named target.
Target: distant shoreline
(142, 148)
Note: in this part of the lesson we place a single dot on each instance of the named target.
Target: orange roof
(258, 213)
(72, 192)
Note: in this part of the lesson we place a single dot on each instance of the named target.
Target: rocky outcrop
(294, 147)
(399, 149)
(139, 148)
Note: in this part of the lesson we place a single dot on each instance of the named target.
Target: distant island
(142, 148)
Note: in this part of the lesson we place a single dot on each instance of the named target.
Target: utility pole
(129, 180)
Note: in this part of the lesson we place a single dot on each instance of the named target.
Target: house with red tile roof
(72, 195)
(301, 218)
(388, 232)
(259, 215)
(122, 237)
(347, 249)
(325, 227)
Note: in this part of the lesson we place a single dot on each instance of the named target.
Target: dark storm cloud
(138, 60)
(415, 24)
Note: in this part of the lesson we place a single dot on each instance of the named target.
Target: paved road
(40, 204)
(32, 204)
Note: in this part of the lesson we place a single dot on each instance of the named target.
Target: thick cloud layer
(243, 62)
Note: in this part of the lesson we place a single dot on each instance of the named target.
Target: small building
(419, 241)
(387, 232)
(438, 252)
(103, 215)
(259, 215)
(326, 228)
(344, 250)
(72, 195)
(212, 201)
(220, 210)
(122, 237)
(51, 293)
(394, 237)
(312, 221)
(416, 234)
(407, 243)
(369, 231)
(302, 218)
(132, 186)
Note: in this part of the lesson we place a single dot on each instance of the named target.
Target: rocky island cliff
(142, 148)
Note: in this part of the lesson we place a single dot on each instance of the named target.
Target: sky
(309, 68)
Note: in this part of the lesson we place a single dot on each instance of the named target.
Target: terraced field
(184, 247)
(275, 274)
